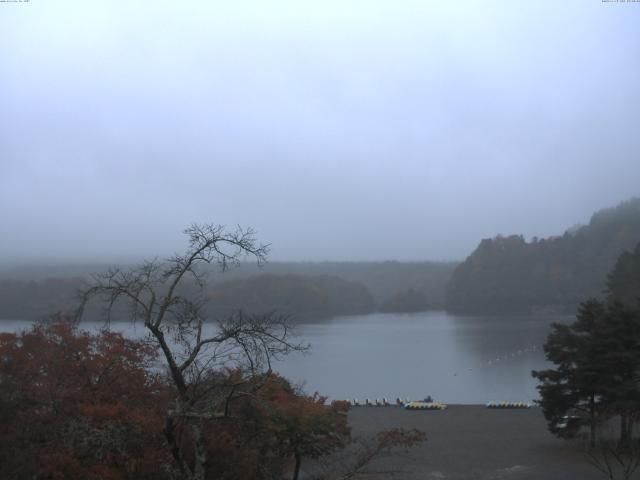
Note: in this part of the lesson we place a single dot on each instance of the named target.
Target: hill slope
(511, 275)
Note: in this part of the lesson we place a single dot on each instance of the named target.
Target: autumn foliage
(271, 428)
(79, 406)
(304, 425)
(75, 405)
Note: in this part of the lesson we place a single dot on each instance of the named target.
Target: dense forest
(301, 297)
(303, 290)
(22, 299)
(510, 274)
(386, 281)
(623, 284)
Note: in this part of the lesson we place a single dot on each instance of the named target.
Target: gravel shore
(474, 442)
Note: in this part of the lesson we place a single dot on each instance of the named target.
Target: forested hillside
(32, 299)
(302, 297)
(389, 282)
(623, 284)
(510, 274)
(304, 289)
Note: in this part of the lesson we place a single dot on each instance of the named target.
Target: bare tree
(168, 298)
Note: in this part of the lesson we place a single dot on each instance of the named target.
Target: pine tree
(617, 340)
(574, 387)
(597, 373)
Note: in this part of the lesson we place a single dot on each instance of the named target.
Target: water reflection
(454, 359)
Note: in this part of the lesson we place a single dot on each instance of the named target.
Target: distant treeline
(33, 299)
(503, 275)
(552, 275)
(387, 282)
(305, 291)
(301, 297)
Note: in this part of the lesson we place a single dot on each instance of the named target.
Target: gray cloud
(339, 130)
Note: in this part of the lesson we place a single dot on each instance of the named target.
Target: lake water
(455, 359)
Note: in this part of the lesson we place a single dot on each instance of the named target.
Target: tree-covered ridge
(386, 280)
(302, 297)
(302, 289)
(34, 299)
(299, 296)
(510, 274)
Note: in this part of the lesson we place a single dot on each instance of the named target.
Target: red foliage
(76, 405)
(271, 428)
(304, 425)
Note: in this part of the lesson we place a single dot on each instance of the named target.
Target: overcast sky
(339, 130)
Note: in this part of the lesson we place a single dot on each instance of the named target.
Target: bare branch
(163, 295)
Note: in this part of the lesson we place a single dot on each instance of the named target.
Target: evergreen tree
(617, 340)
(597, 373)
(574, 386)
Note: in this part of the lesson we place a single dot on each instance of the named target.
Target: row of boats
(426, 404)
(429, 404)
(508, 405)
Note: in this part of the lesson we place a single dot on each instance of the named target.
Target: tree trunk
(173, 445)
(200, 460)
(629, 429)
(592, 422)
(296, 469)
(624, 430)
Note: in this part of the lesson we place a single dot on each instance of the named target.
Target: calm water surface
(455, 359)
